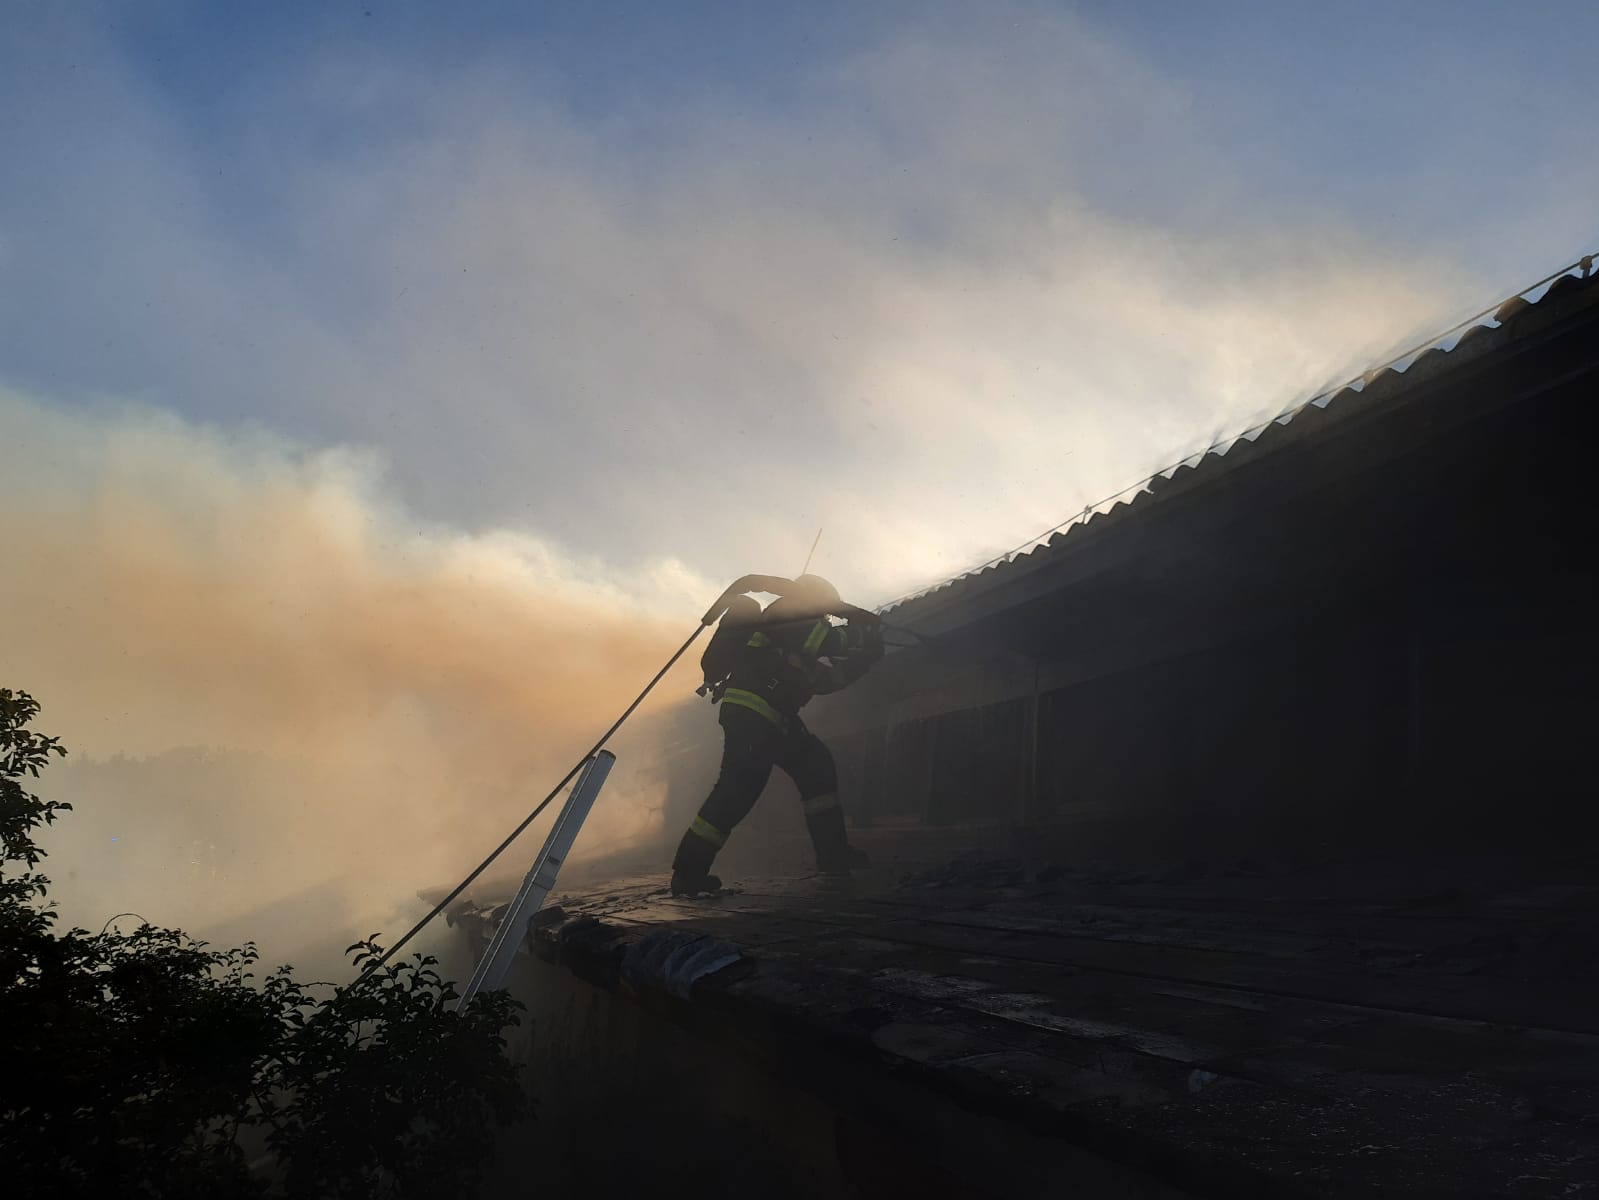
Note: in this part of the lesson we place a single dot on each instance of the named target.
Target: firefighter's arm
(748, 583)
(851, 651)
(777, 585)
(858, 616)
(859, 640)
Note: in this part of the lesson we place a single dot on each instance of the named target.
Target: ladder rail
(495, 963)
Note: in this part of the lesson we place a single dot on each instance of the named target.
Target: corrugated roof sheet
(1550, 298)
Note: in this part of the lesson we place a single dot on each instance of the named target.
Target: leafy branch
(147, 1063)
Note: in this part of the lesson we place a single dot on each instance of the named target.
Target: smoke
(289, 706)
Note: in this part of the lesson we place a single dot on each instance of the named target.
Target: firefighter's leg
(809, 763)
(748, 741)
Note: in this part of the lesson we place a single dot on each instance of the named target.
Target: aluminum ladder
(495, 964)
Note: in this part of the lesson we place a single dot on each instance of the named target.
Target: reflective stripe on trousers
(758, 704)
(701, 828)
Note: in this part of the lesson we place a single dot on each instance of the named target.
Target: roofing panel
(1565, 291)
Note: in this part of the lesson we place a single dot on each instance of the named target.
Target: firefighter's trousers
(752, 745)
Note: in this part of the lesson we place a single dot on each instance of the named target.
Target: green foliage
(23, 754)
(146, 1063)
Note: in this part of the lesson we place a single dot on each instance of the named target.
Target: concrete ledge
(1138, 1038)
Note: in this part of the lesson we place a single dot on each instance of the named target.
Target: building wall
(1381, 632)
(641, 1093)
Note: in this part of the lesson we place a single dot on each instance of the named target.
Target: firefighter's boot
(825, 821)
(691, 868)
(841, 862)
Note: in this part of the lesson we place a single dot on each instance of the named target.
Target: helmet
(814, 588)
(808, 596)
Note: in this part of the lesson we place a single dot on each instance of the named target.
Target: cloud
(765, 334)
(963, 281)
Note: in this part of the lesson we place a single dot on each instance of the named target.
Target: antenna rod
(812, 554)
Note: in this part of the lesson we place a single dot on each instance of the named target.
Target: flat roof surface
(1238, 1027)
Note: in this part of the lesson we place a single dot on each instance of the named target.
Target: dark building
(1370, 623)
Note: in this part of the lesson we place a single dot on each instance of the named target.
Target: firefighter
(763, 667)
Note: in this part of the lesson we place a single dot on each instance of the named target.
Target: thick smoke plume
(288, 709)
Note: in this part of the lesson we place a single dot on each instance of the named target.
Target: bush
(147, 1063)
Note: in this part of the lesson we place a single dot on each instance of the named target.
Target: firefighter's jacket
(782, 665)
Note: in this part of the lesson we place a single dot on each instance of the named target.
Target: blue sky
(1331, 103)
(493, 246)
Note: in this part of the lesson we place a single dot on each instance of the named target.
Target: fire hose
(374, 964)
(712, 615)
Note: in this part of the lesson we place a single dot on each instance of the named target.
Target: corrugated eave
(1448, 355)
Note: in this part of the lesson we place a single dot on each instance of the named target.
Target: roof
(1232, 1028)
(1536, 306)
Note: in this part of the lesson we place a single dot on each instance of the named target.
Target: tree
(148, 1063)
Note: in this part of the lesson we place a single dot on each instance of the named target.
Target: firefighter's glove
(864, 642)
